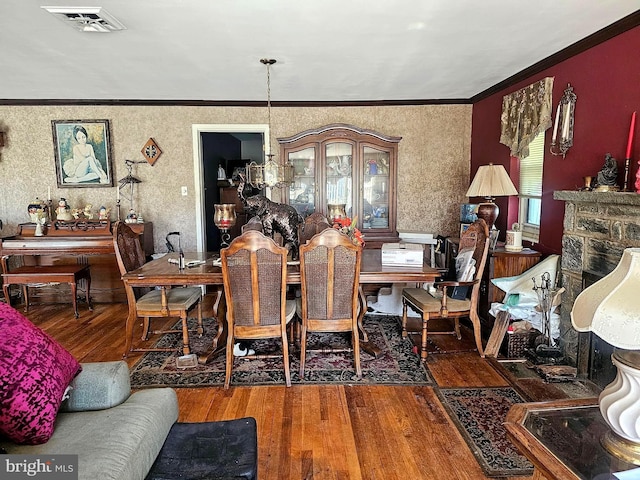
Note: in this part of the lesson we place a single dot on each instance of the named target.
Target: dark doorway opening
(227, 150)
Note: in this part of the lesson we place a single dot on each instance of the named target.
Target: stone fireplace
(598, 226)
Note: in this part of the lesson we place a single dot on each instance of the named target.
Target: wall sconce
(564, 123)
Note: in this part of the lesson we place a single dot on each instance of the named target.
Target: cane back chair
(165, 302)
(254, 272)
(475, 239)
(329, 275)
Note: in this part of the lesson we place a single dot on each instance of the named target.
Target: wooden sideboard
(87, 243)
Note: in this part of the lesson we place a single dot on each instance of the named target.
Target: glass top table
(562, 439)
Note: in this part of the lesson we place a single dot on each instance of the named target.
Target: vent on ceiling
(87, 19)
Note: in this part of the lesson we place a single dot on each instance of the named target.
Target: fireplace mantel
(612, 198)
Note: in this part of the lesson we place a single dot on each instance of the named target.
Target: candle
(631, 131)
(48, 193)
(565, 123)
(117, 194)
(555, 126)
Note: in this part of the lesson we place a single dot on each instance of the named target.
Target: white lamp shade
(610, 308)
(491, 181)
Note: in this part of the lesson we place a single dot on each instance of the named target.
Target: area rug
(397, 364)
(478, 414)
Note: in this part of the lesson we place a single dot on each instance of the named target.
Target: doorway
(214, 146)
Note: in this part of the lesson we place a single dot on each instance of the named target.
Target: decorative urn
(38, 211)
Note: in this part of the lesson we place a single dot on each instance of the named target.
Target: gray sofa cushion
(117, 443)
(99, 385)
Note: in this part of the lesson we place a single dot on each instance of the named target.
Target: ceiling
(326, 50)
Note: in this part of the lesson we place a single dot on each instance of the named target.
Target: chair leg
(285, 356)
(404, 317)
(457, 328)
(25, 296)
(477, 333)
(423, 345)
(145, 328)
(185, 334)
(355, 340)
(132, 320)
(303, 349)
(229, 361)
(200, 327)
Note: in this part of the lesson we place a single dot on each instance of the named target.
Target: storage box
(402, 254)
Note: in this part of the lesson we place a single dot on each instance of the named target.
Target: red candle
(630, 141)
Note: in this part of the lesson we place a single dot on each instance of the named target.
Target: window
(530, 195)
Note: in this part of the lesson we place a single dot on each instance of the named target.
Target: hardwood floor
(313, 432)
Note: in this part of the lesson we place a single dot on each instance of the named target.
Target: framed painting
(82, 153)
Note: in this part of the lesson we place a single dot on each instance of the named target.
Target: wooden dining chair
(164, 302)
(314, 223)
(329, 275)
(474, 244)
(254, 272)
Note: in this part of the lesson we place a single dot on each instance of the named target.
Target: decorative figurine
(104, 213)
(88, 214)
(275, 217)
(63, 212)
(607, 176)
(132, 217)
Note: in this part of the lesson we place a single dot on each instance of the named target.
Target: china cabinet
(341, 164)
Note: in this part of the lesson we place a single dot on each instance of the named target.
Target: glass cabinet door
(339, 175)
(375, 189)
(302, 192)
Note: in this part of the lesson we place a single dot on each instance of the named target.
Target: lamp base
(488, 211)
(620, 408)
(621, 448)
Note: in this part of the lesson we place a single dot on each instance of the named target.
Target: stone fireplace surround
(598, 226)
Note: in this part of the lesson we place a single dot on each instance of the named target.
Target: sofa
(116, 434)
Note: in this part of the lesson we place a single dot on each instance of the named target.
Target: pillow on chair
(35, 372)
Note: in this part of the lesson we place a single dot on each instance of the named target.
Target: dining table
(203, 268)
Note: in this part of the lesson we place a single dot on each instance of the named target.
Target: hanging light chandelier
(271, 173)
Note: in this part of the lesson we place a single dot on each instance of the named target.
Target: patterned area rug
(396, 365)
(478, 413)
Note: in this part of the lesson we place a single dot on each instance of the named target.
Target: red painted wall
(606, 80)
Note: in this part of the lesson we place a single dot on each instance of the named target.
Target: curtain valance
(525, 114)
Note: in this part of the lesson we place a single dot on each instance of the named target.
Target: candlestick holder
(225, 218)
(625, 185)
(118, 209)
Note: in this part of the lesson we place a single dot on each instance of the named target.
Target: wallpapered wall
(433, 168)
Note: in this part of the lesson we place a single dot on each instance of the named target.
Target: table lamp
(490, 181)
(610, 308)
(225, 218)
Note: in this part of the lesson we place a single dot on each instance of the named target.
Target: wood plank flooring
(313, 432)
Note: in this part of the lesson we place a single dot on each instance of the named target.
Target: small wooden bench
(28, 275)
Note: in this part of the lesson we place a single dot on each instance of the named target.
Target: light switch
(184, 191)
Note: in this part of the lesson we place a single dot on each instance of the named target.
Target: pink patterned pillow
(35, 371)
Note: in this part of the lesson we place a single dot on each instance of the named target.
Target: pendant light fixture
(271, 173)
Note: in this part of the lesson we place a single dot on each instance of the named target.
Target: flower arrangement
(348, 227)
